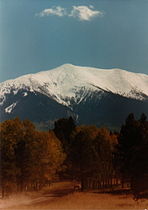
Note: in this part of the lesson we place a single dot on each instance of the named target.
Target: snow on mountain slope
(10, 108)
(65, 83)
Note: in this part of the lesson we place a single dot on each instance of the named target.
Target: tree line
(94, 156)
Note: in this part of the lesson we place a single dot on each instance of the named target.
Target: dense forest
(95, 157)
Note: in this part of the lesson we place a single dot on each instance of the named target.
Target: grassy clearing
(60, 196)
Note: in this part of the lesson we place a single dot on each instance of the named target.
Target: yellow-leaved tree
(29, 158)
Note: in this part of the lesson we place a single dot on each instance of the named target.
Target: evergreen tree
(131, 154)
(63, 130)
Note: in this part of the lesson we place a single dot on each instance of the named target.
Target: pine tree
(63, 130)
(131, 154)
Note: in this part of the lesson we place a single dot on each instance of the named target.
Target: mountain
(90, 95)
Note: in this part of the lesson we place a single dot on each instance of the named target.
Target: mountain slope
(72, 90)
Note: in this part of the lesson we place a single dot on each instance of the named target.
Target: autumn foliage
(31, 159)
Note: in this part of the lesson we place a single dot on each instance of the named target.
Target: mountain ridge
(90, 95)
(64, 81)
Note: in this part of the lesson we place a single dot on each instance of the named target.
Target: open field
(61, 196)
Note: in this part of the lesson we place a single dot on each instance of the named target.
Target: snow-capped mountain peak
(67, 81)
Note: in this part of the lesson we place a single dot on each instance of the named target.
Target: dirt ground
(61, 196)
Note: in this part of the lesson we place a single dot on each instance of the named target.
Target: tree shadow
(58, 193)
(115, 192)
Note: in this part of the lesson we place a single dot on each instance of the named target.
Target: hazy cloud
(83, 13)
(58, 11)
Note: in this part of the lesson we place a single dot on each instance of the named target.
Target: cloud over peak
(58, 11)
(83, 13)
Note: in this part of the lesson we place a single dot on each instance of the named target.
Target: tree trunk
(82, 184)
(122, 183)
(3, 192)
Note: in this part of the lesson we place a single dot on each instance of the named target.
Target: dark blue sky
(38, 35)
